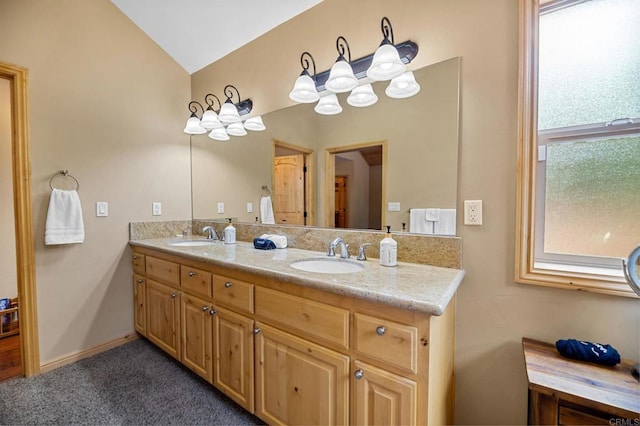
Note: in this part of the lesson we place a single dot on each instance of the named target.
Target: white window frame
(600, 277)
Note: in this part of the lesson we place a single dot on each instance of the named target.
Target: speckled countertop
(422, 288)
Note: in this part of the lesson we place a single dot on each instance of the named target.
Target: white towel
(417, 222)
(266, 211)
(432, 215)
(279, 240)
(447, 223)
(64, 218)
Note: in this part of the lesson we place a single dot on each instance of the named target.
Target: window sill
(580, 278)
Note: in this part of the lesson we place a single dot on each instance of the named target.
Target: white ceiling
(196, 33)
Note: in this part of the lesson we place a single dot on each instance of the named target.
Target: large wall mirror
(416, 165)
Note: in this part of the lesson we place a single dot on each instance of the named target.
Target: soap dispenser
(388, 250)
(230, 234)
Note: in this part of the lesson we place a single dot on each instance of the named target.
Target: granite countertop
(422, 288)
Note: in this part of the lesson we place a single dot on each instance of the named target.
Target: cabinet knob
(213, 312)
(228, 284)
(140, 281)
(205, 308)
(256, 330)
(174, 295)
(135, 257)
(191, 273)
(358, 374)
(381, 330)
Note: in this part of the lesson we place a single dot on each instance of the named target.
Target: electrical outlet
(393, 206)
(220, 207)
(156, 208)
(473, 212)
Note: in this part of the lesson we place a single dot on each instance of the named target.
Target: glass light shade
(210, 120)
(254, 124)
(386, 64)
(304, 90)
(328, 105)
(228, 113)
(362, 96)
(341, 78)
(236, 129)
(219, 134)
(403, 86)
(193, 126)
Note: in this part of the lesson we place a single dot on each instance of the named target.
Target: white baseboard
(85, 353)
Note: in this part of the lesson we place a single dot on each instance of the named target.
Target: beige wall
(8, 272)
(494, 313)
(107, 104)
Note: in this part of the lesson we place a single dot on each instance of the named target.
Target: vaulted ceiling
(196, 33)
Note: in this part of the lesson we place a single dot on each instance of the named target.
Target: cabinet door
(383, 398)
(195, 329)
(233, 349)
(140, 303)
(299, 382)
(163, 317)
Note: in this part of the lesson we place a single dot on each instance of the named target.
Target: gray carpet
(134, 384)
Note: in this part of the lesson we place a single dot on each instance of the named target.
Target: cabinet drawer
(233, 293)
(195, 280)
(138, 263)
(163, 270)
(569, 416)
(391, 342)
(312, 318)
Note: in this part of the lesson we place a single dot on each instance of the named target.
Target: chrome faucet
(362, 255)
(211, 233)
(344, 248)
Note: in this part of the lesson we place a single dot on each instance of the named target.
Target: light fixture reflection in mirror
(422, 155)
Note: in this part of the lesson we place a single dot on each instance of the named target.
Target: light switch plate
(393, 206)
(102, 209)
(249, 207)
(220, 207)
(156, 207)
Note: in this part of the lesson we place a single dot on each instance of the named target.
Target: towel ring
(265, 191)
(63, 173)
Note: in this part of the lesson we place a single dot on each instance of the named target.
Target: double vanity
(296, 337)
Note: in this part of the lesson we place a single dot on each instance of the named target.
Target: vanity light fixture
(362, 96)
(210, 117)
(219, 134)
(341, 77)
(387, 63)
(229, 112)
(193, 126)
(328, 105)
(403, 86)
(304, 90)
(225, 121)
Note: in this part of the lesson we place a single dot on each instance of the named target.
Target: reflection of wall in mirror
(422, 135)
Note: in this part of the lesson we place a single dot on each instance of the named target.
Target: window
(579, 150)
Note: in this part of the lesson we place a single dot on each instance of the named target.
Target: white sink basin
(327, 265)
(191, 243)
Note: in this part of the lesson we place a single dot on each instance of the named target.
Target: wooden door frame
(310, 161)
(25, 252)
(330, 179)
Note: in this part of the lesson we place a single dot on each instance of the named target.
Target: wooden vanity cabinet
(196, 335)
(233, 356)
(140, 304)
(299, 382)
(163, 317)
(296, 355)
